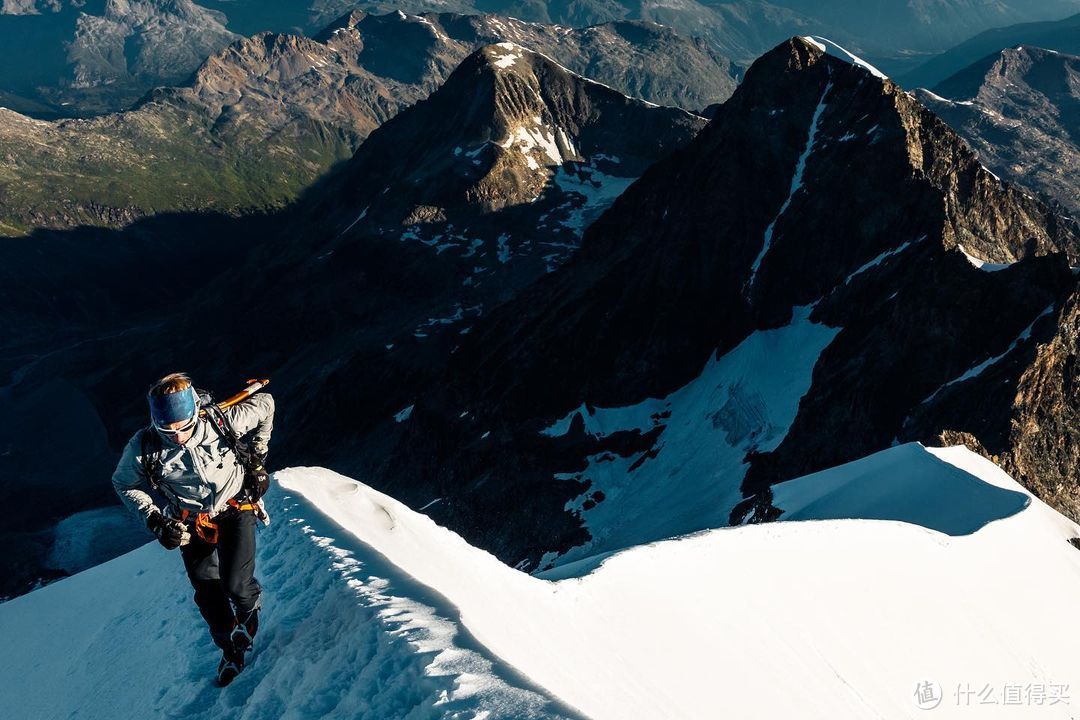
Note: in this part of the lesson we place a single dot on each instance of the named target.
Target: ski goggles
(179, 430)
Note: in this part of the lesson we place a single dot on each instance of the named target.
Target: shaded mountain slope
(448, 210)
(346, 313)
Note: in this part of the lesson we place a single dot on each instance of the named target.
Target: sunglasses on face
(182, 429)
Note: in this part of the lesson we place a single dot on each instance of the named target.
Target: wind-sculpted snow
(705, 625)
(895, 484)
(374, 611)
(344, 635)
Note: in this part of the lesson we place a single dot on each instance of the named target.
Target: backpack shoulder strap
(220, 422)
(150, 455)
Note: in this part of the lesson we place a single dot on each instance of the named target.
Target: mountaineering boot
(243, 635)
(231, 665)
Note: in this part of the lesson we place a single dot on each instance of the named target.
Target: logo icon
(927, 695)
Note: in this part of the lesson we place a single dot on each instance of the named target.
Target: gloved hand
(257, 479)
(170, 533)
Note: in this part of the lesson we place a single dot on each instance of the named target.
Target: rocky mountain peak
(861, 109)
(989, 79)
(822, 204)
(254, 55)
(138, 39)
(348, 21)
(500, 126)
(1020, 110)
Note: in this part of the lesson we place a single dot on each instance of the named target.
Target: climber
(196, 475)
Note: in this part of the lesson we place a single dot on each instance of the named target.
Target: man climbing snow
(196, 475)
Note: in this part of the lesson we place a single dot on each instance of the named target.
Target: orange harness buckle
(207, 529)
(253, 507)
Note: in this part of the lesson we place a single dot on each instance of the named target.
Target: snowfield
(742, 401)
(937, 580)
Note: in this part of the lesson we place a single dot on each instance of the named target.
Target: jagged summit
(990, 75)
(811, 266)
(852, 97)
(493, 135)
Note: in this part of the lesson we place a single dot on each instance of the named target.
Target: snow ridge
(345, 635)
(835, 50)
(373, 611)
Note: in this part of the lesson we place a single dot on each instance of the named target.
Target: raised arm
(253, 421)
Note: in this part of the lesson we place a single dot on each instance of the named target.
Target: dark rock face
(1020, 111)
(451, 208)
(1042, 442)
(817, 186)
(1021, 411)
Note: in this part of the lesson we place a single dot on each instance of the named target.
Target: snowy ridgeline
(374, 611)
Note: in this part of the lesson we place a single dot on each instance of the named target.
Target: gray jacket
(202, 474)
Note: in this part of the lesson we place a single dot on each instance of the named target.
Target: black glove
(170, 533)
(256, 479)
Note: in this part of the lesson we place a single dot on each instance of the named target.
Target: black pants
(223, 575)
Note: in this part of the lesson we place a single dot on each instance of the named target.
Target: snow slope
(742, 401)
(375, 611)
(345, 635)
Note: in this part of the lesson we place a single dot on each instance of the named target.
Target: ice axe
(253, 387)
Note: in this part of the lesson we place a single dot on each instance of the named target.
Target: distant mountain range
(1020, 111)
(1061, 35)
(892, 33)
(96, 56)
(262, 119)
